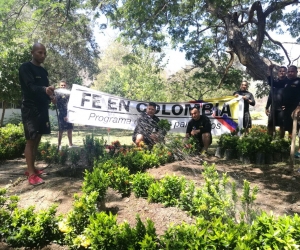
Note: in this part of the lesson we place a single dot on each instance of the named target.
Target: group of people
(286, 100)
(37, 94)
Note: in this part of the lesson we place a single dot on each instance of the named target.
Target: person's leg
(30, 156)
(60, 133)
(206, 140)
(70, 137)
(282, 132)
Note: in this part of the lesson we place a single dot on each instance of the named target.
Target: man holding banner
(146, 128)
(248, 100)
(200, 128)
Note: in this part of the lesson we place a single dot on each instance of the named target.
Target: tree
(206, 29)
(134, 73)
(64, 27)
(10, 90)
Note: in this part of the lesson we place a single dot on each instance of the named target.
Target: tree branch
(279, 44)
(278, 5)
(227, 68)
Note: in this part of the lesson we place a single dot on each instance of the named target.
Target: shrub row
(12, 141)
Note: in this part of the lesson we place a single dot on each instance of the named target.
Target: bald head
(38, 54)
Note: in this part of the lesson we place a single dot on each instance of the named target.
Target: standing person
(146, 127)
(291, 99)
(200, 128)
(36, 96)
(278, 85)
(62, 100)
(248, 100)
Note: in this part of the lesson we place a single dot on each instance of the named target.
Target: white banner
(90, 107)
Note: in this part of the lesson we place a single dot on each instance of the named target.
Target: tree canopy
(206, 29)
(134, 73)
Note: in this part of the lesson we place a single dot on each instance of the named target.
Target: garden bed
(278, 191)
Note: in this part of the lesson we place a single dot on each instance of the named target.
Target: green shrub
(141, 183)
(32, 229)
(120, 180)
(76, 221)
(93, 148)
(96, 181)
(167, 190)
(12, 141)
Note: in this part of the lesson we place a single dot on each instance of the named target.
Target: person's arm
(236, 94)
(269, 102)
(251, 100)
(188, 130)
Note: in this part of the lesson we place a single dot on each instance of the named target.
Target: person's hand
(66, 119)
(194, 131)
(50, 90)
(236, 95)
(53, 99)
(296, 113)
(154, 137)
(267, 112)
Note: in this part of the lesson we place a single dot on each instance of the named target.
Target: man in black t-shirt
(36, 96)
(146, 128)
(278, 85)
(200, 128)
(248, 100)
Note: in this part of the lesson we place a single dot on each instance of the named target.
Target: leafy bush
(228, 141)
(141, 183)
(94, 148)
(12, 141)
(120, 180)
(96, 181)
(167, 190)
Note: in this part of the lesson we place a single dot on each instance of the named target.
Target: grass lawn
(80, 132)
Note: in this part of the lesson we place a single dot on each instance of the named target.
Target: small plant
(167, 190)
(164, 125)
(74, 156)
(97, 181)
(228, 141)
(120, 180)
(141, 183)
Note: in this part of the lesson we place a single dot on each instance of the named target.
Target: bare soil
(278, 191)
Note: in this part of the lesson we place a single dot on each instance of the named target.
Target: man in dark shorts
(36, 96)
(248, 100)
(62, 100)
(146, 128)
(200, 127)
(278, 85)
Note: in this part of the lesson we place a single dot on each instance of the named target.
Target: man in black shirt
(36, 96)
(278, 85)
(200, 127)
(146, 128)
(248, 100)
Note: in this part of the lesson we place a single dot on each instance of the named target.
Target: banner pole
(273, 109)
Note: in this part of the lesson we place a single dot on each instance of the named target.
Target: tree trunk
(246, 53)
(3, 113)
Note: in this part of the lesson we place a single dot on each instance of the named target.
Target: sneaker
(37, 172)
(73, 146)
(59, 148)
(297, 155)
(204, 153)
(35, 180)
